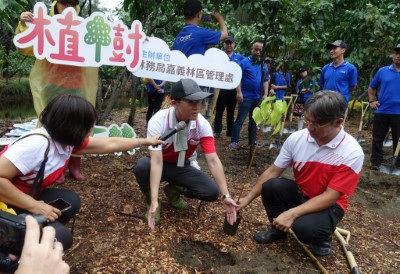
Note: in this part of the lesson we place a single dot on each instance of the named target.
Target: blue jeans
(245, 107)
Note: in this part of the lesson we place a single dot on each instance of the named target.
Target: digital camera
(12, 231)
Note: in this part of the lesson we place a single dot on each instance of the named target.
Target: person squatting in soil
(227, 97)
(249, 92)
(326, 163)
(67, 122)
(386, 108)
(170, 162)
(47, 80)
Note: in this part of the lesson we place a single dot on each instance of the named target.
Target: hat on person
(76, 2)
(192, 7)
(337, 43)
(230, 39)
(188, 89)
(397, 47)
(268, 59)
(302, 70)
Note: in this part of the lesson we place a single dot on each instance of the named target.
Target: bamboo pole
(313, 258)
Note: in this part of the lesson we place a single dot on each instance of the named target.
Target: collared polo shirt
(251, 78)
(281, 79)
(336, 165)
(387, 79)
(200, 133)
(339, 78)
(236, 57)
(194, 39)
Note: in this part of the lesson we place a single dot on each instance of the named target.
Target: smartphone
(61, 204)
(207, 18)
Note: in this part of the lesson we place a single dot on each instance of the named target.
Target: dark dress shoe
(323, 249)
(269, 236)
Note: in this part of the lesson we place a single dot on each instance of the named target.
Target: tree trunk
(133, 96)
(116, 90)
(99, 98)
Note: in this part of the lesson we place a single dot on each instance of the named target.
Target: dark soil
(111, 237)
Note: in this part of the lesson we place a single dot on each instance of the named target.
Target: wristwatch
(226, 196)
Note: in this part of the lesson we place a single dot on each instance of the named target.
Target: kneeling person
(326, 163)
(170, 163)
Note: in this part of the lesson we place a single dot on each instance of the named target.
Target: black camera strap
(37, 183)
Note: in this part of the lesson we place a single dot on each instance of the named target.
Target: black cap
(76, 2)
(337, 43)
(397, 47)
(192, 7)
(230, 39)
(188, 89)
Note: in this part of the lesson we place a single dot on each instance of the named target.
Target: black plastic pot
(231, 229)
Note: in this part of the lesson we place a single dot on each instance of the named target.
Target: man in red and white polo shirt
(326, 163)
(170, 162)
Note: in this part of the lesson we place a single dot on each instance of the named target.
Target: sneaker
(195, 164)
(233, 145)
(374, 167)
(323, 249)
(269, 236)
(217, 135)
(259, 144)
(173, 194)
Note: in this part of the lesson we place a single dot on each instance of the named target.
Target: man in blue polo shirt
(249, 92)
(227, 97)
(194, 39)
(386, 107)
(339, 75)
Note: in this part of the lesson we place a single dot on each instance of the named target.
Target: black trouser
(382, 123)
(155, 100)
(226, 98)
(198, 184)
(279, 195)
(63, 234)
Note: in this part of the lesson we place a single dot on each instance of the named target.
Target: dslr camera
(12, 231)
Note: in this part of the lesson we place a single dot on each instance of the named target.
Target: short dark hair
(68, 119)
(326, 106)
(191, 8)
(302, 70)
